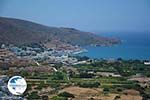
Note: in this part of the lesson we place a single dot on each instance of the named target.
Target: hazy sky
(87, 15)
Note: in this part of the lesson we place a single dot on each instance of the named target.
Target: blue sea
(133, 46)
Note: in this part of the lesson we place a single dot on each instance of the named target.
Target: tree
(106, 90)
(58, 76)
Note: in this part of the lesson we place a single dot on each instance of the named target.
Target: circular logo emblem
(17, 85)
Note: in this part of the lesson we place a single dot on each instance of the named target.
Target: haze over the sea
(86, 15)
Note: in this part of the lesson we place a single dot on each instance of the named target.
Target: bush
(33, 96)
(40, 86)
(66, 94)
(55, 85)
(44, 97)
(59, 98)
(89, 84)
(117, 97)
(86, 75)
(119, 89)
(106, 89)
(58, 76)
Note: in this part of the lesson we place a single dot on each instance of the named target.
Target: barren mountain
(16, 31)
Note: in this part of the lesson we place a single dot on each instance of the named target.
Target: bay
(133, 46)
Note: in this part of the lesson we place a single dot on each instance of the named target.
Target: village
(51, 74)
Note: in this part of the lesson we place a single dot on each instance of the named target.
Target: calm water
(134, 46)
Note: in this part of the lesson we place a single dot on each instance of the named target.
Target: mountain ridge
(17, 31)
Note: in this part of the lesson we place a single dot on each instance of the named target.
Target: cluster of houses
(17, 58)
(43, 54)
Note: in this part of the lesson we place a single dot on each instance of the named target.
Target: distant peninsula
(18, 32)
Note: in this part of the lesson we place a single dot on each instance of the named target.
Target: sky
(87, 15)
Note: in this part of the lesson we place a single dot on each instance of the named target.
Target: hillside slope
(16, 31)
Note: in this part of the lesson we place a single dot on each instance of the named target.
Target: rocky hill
(16, 31)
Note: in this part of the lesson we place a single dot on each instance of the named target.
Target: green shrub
(106, 90)
(55, 85)
(117, 97)
(33, 96)
(66, 94)
(119, 89)
(58, 76)
(59, 98)
(89, 84)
